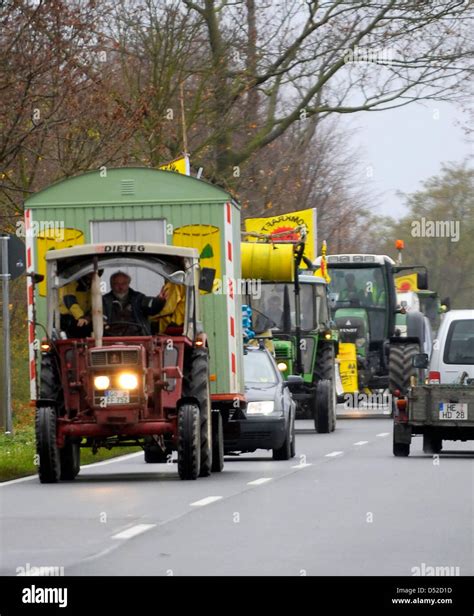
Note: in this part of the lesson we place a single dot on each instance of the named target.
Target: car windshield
(275, 308)
(460, 343)
(258, 368)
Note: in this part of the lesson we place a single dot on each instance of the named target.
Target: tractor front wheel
(324, 407)
(189, 441)
(49, 466)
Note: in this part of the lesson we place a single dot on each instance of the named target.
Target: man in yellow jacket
(172, 314)
(75, 307)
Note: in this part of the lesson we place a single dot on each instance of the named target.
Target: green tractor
(295, 315)
(365, 309)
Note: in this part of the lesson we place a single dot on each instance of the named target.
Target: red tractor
(110, 390)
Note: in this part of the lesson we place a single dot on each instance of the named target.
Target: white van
(453, 349)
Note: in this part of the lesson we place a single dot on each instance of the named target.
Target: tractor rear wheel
(70, 459)
(400, 366)
(189, 441)
(49, 467)
(217, 442)
(196, 385)
(324, 407)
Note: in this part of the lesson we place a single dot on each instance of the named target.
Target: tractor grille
(114, 358)
(281, 353)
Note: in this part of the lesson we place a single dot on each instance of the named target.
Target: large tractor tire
(325, 370)
(324, 407)
(217, 442)
(50, 381)
(49, 467)
(189, 441)
(70, 460)
(400, 366)
(196, 385)
(400, 450)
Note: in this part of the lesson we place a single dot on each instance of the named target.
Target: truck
(156, 226)
(441, 406)
(303, 337)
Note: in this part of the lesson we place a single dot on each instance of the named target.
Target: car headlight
(360, 342)
(127, 380)
(282, 366)
(101, 382)
(260, 407)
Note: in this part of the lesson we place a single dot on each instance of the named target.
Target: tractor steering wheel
(115, 328)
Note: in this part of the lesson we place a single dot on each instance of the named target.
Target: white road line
(206, 501)
(84, 467)
(333, 454)
(303, 465)
(257, 482)
(133, 531)
(383, 434)
(361, 443)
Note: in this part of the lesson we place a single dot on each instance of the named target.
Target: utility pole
(6, 403)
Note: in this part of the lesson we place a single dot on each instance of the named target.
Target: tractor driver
(350, 292)
(126, 311)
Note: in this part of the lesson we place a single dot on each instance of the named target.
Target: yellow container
(268, 261)
(348, 367)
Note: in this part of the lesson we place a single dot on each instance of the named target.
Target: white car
(453, 349)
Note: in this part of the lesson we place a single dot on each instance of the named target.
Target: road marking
(133, 531)
(382, 434)
(206, 501)
(303, 465)
(257, 482)
(333, 454)
(361, 443)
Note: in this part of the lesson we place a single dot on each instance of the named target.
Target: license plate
(454, 411)
(117, 396)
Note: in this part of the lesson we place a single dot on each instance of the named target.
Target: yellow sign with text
(282, 223)
(178, 165)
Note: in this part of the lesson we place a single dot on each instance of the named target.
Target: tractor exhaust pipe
(97, 315)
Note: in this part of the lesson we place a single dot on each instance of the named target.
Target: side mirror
(294, 382)
(206, 279)
(422, 281)
(420, 361)
(36, 278)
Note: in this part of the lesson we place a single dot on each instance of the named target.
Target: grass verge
(17, 450)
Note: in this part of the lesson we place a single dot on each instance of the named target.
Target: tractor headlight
(101, 382)
(260, 407)
(282, 366)
(360, 342)
(127, 380)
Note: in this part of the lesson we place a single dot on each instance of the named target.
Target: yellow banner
(52, 240)
(178, 165)
(408, 282)
(287, 222)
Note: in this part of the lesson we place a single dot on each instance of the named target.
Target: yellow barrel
(268, 261)
(347, 359)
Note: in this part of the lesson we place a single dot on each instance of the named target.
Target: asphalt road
(343, 506)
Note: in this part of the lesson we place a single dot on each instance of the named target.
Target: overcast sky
(406, 146)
